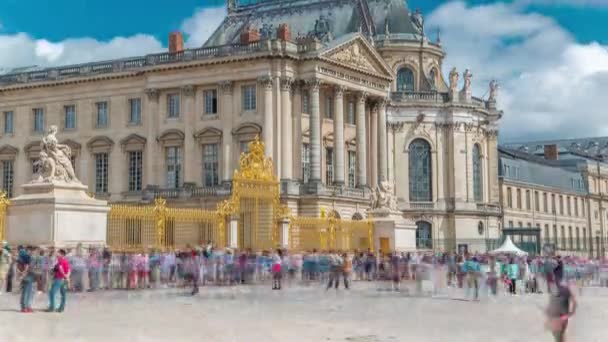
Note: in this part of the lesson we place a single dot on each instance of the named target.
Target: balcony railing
(417, 96)
(135, 63)
(422, 205)
(488, 207)
(188, 192)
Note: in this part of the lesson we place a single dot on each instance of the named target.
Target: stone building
(348, 96)
(559, 188)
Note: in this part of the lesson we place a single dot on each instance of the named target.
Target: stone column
(297, 129)
(189, 117)
(268, 129)
(286, 129)
(361, 143)
(373, 135)
(284, 228)
(152, 150)
(226, 89)
(339, 146)
(315, 131)
(382, 142)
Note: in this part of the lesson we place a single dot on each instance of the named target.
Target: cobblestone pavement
(297, 313)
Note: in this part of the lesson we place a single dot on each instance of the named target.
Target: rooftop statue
(453, 79)
(493, 90)
(322, 30)
(418, 20)
(54, 164)
(467, 80)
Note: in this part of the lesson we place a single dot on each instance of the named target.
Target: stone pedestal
(390, 228)
(56, 214)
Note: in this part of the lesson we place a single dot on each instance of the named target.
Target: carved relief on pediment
(353, 55)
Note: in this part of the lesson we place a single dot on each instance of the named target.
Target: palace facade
(348, 96)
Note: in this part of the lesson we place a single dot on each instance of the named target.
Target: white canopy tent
(508, 247)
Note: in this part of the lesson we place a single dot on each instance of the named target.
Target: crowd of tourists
(30, 269)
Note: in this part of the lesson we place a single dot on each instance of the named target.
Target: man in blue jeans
(24, 273)
(60, 278)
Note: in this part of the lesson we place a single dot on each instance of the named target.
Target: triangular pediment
(356, 53)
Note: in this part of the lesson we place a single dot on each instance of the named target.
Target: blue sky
(550, 57)
(105, 19)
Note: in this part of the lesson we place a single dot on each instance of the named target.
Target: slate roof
(587, 148)
(343, 16)
(518, 166)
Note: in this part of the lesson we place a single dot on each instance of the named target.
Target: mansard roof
(592, 148)
(330, 18)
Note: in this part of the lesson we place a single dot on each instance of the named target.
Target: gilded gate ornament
(254, 165)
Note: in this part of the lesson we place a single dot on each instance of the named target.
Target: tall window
(38, 120)
(70, 117)
(568, 206)
(306, 162)
(553, 207)
(210, 165)
(424, 235)
(561, 204)
(405, 80)
(350, 114)
(570, 238)
(7, 177)
(245, 146)
(329, 107)
(584, 238)
(578, 238)
(536, 201)
(173, 105)
(305, 102)
(210, 98)
(8, 122)
(528, 200)
(248, 93)
(575, 206)
(329, 166)
(582, 207)
(420, 171)
(135, 170)
(102, 114)
(518, 191)
(546, 236)
(352, 169)
(174, 166)
(477, 174)
(135, 111)
(101, 173)
(545, 203)
(509, 198)
(555, 235)
(563, 237)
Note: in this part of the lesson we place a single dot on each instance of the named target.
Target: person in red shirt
(60, 282)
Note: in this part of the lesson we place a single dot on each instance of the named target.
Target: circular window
(480, 228)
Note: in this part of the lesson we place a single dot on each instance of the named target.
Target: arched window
(405, 79)
(477, 174)
(432, 78)
(420, 171)
(424, 235)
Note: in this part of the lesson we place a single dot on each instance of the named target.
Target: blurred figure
(25, 276)
(5, 264)
(562, 306)
(61, 276)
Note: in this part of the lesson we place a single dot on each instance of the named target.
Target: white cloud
(551, 86)
(21, 49)
(202, 24)
(577, 3)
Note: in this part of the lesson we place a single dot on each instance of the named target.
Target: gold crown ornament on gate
(254, 165)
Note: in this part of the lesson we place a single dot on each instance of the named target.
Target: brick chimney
(176, 42)
(551, 152)
(250, 35)
(283, 32)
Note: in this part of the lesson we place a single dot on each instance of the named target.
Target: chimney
(551, 152)
(250, 35)
(283, 32)
(176, 42)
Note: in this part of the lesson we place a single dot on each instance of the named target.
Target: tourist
(562, 306)
(26, 279)
(394, 270)
(105, 273)
(335, 269)
(347, 270)
(472, 270)
(94, 265)
(5, 264)
(38, 269)
(61, 278)
(277, 260)
(513, 274)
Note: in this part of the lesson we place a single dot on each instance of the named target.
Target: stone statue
(453, 79)
(493, 90)
(383, 196)
(418, 20)
(322, 30)
(467, 81)
(54, 164)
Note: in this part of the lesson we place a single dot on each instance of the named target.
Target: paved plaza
(298, 313)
